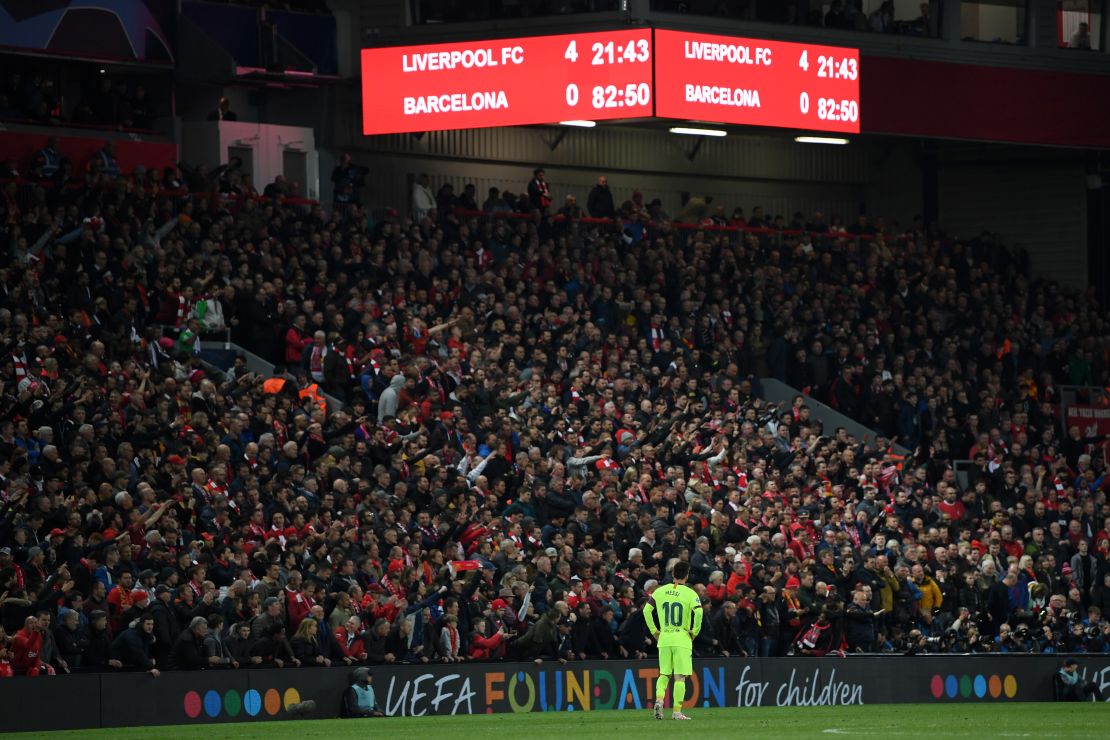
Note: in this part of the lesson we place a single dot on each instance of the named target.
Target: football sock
(661, 687)
(678, 693)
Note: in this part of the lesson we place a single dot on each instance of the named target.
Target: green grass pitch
(879, 721)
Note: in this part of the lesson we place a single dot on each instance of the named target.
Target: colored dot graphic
(272, 701)
(212, 703)
(252, 702)
(968, 686)
(231, 703)
(192, 705)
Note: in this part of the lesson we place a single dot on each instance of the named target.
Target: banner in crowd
(1093, 421)
(193, 697)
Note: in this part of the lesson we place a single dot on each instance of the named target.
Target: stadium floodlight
(834, 140)
(686, 131)
(579, 124)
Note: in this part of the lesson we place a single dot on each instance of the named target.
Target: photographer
(348, 180)
(1070, 686)
(1011, 640)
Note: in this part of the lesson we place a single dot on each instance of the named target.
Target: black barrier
(196, 697)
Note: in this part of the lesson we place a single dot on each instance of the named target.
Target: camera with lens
(1022, 632)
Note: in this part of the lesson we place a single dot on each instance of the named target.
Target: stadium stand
(536, 412)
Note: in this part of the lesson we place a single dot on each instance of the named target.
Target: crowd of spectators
(34, 94)
(536, 418)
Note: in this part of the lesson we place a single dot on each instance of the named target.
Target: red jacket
(297, 607)
(483, 648)
(736, 581)
(295, 344)
(350, 645)
(27, 652)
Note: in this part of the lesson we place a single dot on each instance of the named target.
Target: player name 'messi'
(456, 102)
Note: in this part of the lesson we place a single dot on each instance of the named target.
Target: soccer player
(679, 621)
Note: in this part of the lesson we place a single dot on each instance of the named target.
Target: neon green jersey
(677, 609)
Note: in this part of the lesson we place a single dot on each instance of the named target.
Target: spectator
(188, 652)
(306, 645)
(27, 650)
(71, 639)
(348, 179)
(223, 111)
(1081, 39)
(131, 648)
(166, 626)
(240, 645)
(349, 638)
(216, 650)
(538, 194)
(423, 202)
(600, 202)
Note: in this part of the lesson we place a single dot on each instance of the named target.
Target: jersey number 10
(672, 614)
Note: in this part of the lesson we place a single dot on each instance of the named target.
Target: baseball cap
(498, 604)
(6, 551)
(162, 588)
(139, 595)
(57, 531)
(793, 582)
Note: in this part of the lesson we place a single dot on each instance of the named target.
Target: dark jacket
(305, 651)
(188, 653)
(70, 644)
(860, 631)
(600, 203)
(166, 630)
(98, 649)
(132, 648)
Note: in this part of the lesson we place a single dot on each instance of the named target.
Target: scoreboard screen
(725, 79)
(507, 82)
(604, 75)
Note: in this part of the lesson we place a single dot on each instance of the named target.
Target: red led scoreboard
(756, 82)
(634, 73)
(507, 82)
